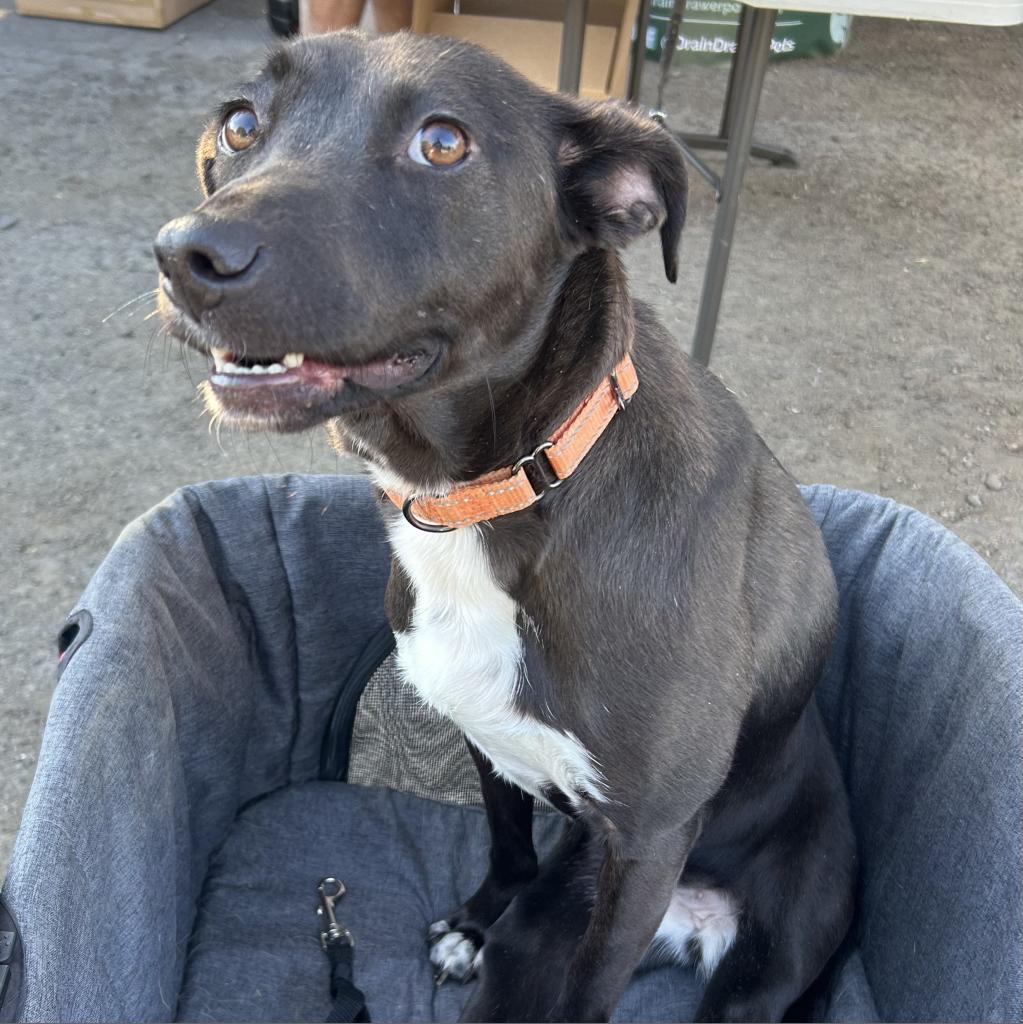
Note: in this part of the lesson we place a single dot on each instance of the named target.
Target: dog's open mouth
(294, 368)
(291, 390)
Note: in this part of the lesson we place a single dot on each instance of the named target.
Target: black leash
(337, 942)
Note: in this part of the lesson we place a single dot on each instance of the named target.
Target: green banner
(709, 29)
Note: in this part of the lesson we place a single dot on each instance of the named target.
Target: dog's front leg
(531, 945)
(457, 940)
(634, 888)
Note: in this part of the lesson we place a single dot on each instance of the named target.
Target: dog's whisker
(158, 332)
(147, 354)
(248, 447)
(493, 412)
(274, 450)
(155, 311)
(216, 423)
(130, 302)
(166, 350)
(183, 355)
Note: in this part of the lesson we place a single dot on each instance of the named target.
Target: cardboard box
(134, 13)
(527, 34)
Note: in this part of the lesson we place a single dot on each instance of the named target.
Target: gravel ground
(872, 322)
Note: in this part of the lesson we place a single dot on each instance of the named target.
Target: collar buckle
(545, 478)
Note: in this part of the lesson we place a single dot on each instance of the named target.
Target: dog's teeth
(293, 359)
(224, 365)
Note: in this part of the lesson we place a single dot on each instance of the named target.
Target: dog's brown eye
(240, 129)
(440, 144)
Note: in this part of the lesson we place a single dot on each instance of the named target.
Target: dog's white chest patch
(463, 653)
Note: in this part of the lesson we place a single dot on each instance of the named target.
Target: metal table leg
(750, 66)
(692, 141)
(572, 35)
(777, 155)
(638, 52)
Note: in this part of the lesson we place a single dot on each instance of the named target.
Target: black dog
(405, 238)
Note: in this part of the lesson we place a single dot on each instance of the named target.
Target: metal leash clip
(330, 891)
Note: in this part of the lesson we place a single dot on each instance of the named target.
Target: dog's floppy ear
(622, 175)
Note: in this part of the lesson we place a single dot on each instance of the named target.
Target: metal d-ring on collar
(532, 457)
(406, 511)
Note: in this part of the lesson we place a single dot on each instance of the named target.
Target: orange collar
(509, 489)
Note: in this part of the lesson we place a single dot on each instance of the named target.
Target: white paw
(453, 954)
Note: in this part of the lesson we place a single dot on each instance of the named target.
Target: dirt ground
(872, 325)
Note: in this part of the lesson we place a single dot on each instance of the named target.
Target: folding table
(743, 98)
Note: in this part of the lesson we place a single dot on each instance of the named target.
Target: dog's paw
(455, 954)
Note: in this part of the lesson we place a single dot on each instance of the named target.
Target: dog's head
(387, 216)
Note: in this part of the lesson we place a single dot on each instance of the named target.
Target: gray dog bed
(207, 760)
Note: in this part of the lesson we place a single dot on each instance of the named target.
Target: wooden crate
(527, 34)
(134, 13)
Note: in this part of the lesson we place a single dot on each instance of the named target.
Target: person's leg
(327, 15)
(392, 15)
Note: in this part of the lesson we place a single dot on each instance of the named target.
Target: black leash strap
(349, 1004)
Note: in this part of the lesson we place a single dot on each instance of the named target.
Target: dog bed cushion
(169, 852)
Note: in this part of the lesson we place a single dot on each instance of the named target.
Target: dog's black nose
(204, 259)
